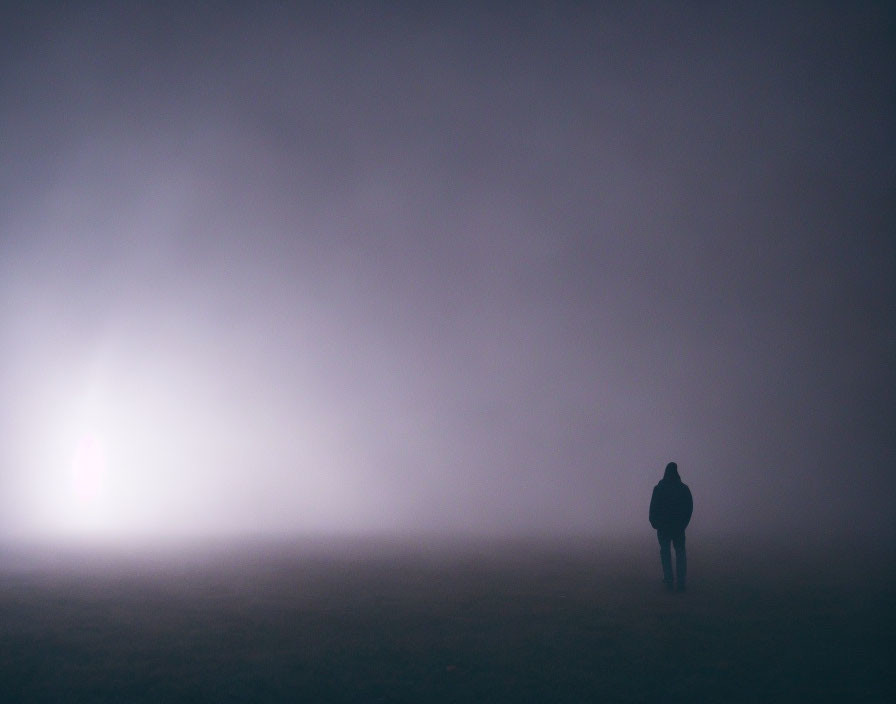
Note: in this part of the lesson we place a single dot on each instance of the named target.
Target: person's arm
(653, 508)
(689, 507)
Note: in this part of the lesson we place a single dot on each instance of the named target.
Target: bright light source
(88, 471)
(156, 448)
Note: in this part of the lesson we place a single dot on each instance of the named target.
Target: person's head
(672, 472)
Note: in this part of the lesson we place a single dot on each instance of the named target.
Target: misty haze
(342, 348)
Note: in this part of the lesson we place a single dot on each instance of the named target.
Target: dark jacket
(671, 504)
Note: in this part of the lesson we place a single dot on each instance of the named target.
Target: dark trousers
(681, 556)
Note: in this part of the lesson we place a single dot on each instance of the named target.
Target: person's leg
(665, 556)
(681, 560)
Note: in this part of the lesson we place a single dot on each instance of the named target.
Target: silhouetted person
(670, 512)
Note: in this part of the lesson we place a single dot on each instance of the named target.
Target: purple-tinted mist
(450, 270)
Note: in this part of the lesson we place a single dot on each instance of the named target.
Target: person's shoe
(680, 588)
(667, 586)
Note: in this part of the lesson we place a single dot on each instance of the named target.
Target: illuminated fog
(445, 271)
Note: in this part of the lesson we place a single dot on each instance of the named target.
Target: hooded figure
(670, 512)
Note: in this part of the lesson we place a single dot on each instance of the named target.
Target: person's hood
(671, 474)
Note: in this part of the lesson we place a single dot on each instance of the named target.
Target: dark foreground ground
(496, 622)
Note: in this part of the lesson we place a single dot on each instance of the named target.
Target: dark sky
(397, 268)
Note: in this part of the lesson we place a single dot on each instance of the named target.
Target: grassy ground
(497, 622)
